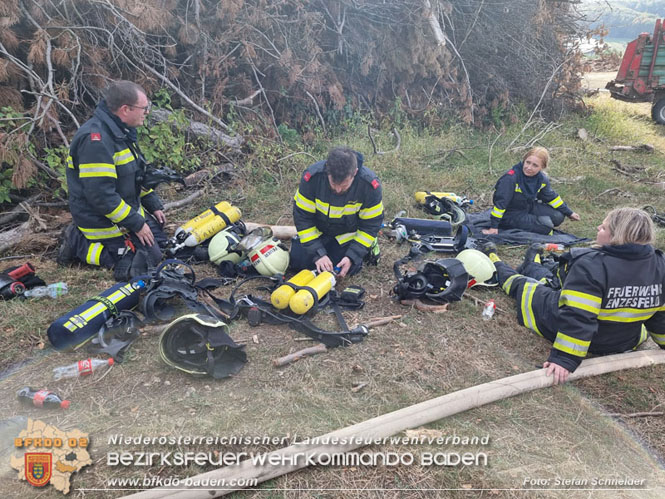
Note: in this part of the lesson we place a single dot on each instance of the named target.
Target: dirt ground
(599, 437)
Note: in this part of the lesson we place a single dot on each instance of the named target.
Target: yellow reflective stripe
(70, 162)
(556, 202)
(517, 188)
(303, 203)
(101, 232)
(583, 301)
(123, 157)
(310, 234)
(626, 314)
(120, 213)
(334, 211)
(528, 317)
(322, 207)
(509, 282)
(94, 252)
(345, 238)
(644, 334)
(372, 212)
(658, 338)
(352, 209)
(497, 212)
(542, 186)
(141, 211)
(571, 345)
(89, 170)
(145, 193)
(364, 238)
(80, 320)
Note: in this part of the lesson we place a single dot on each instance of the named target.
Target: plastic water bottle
(80, 368)
(488, 310)
(554, 247)
(41, 398)
(52, 290)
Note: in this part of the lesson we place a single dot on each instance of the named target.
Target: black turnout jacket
(354, 217)
(512, 195)
(103, 177)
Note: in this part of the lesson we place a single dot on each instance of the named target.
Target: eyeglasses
(146, 109)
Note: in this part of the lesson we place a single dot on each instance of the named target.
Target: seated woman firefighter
(611, 295)
(523, 198)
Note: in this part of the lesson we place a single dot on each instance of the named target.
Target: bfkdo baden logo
(48, 455)
(38, 468)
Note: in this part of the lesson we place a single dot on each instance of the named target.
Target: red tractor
(641, 76)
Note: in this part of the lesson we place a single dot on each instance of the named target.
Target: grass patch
(549, 433)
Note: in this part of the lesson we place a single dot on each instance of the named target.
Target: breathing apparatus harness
(430, 235)
(441, 281)
(174, 278)
(445, 208)
(658, 218)
(259, 311)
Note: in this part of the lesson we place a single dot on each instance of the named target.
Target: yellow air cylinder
(281, 296)
(420, 196)
(303, 300)
(207, 224)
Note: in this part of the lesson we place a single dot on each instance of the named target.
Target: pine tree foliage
(295, 61)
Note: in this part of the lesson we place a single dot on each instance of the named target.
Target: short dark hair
(122, 93)
(341, 164)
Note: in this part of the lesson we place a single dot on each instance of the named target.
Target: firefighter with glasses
(111, 211)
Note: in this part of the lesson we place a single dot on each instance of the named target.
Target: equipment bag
(424, 226)
(76, 327)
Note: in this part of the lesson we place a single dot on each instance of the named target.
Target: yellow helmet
(480, 268)
(223, 246)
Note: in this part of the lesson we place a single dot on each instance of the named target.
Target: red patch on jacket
(307, 176)
(375, 183)
(95, 137)
(511, 172)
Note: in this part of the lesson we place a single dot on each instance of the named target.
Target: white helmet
(269, 257)
(480, 268)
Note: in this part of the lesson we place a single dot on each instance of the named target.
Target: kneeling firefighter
(113, 213)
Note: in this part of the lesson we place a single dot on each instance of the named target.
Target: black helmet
(442, 281)
(199, 344)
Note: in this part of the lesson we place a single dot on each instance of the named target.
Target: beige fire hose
(400, 420)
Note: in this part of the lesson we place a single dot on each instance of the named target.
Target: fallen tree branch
(376, 151)
(386, 425)
(296, 356)
(640, 148)
(11, 238)
(282, 232)
(635, 414)
(424, 307)
(183, 202)
(199, 129)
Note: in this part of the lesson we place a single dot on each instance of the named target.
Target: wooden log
(296, 356)
(283, 232)
(425, 307)
(640, 148)
(199, 129)
(382, 321)
(386, 425)
(10, 238)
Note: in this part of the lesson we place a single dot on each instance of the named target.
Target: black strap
(107, 303)
(221, 215)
